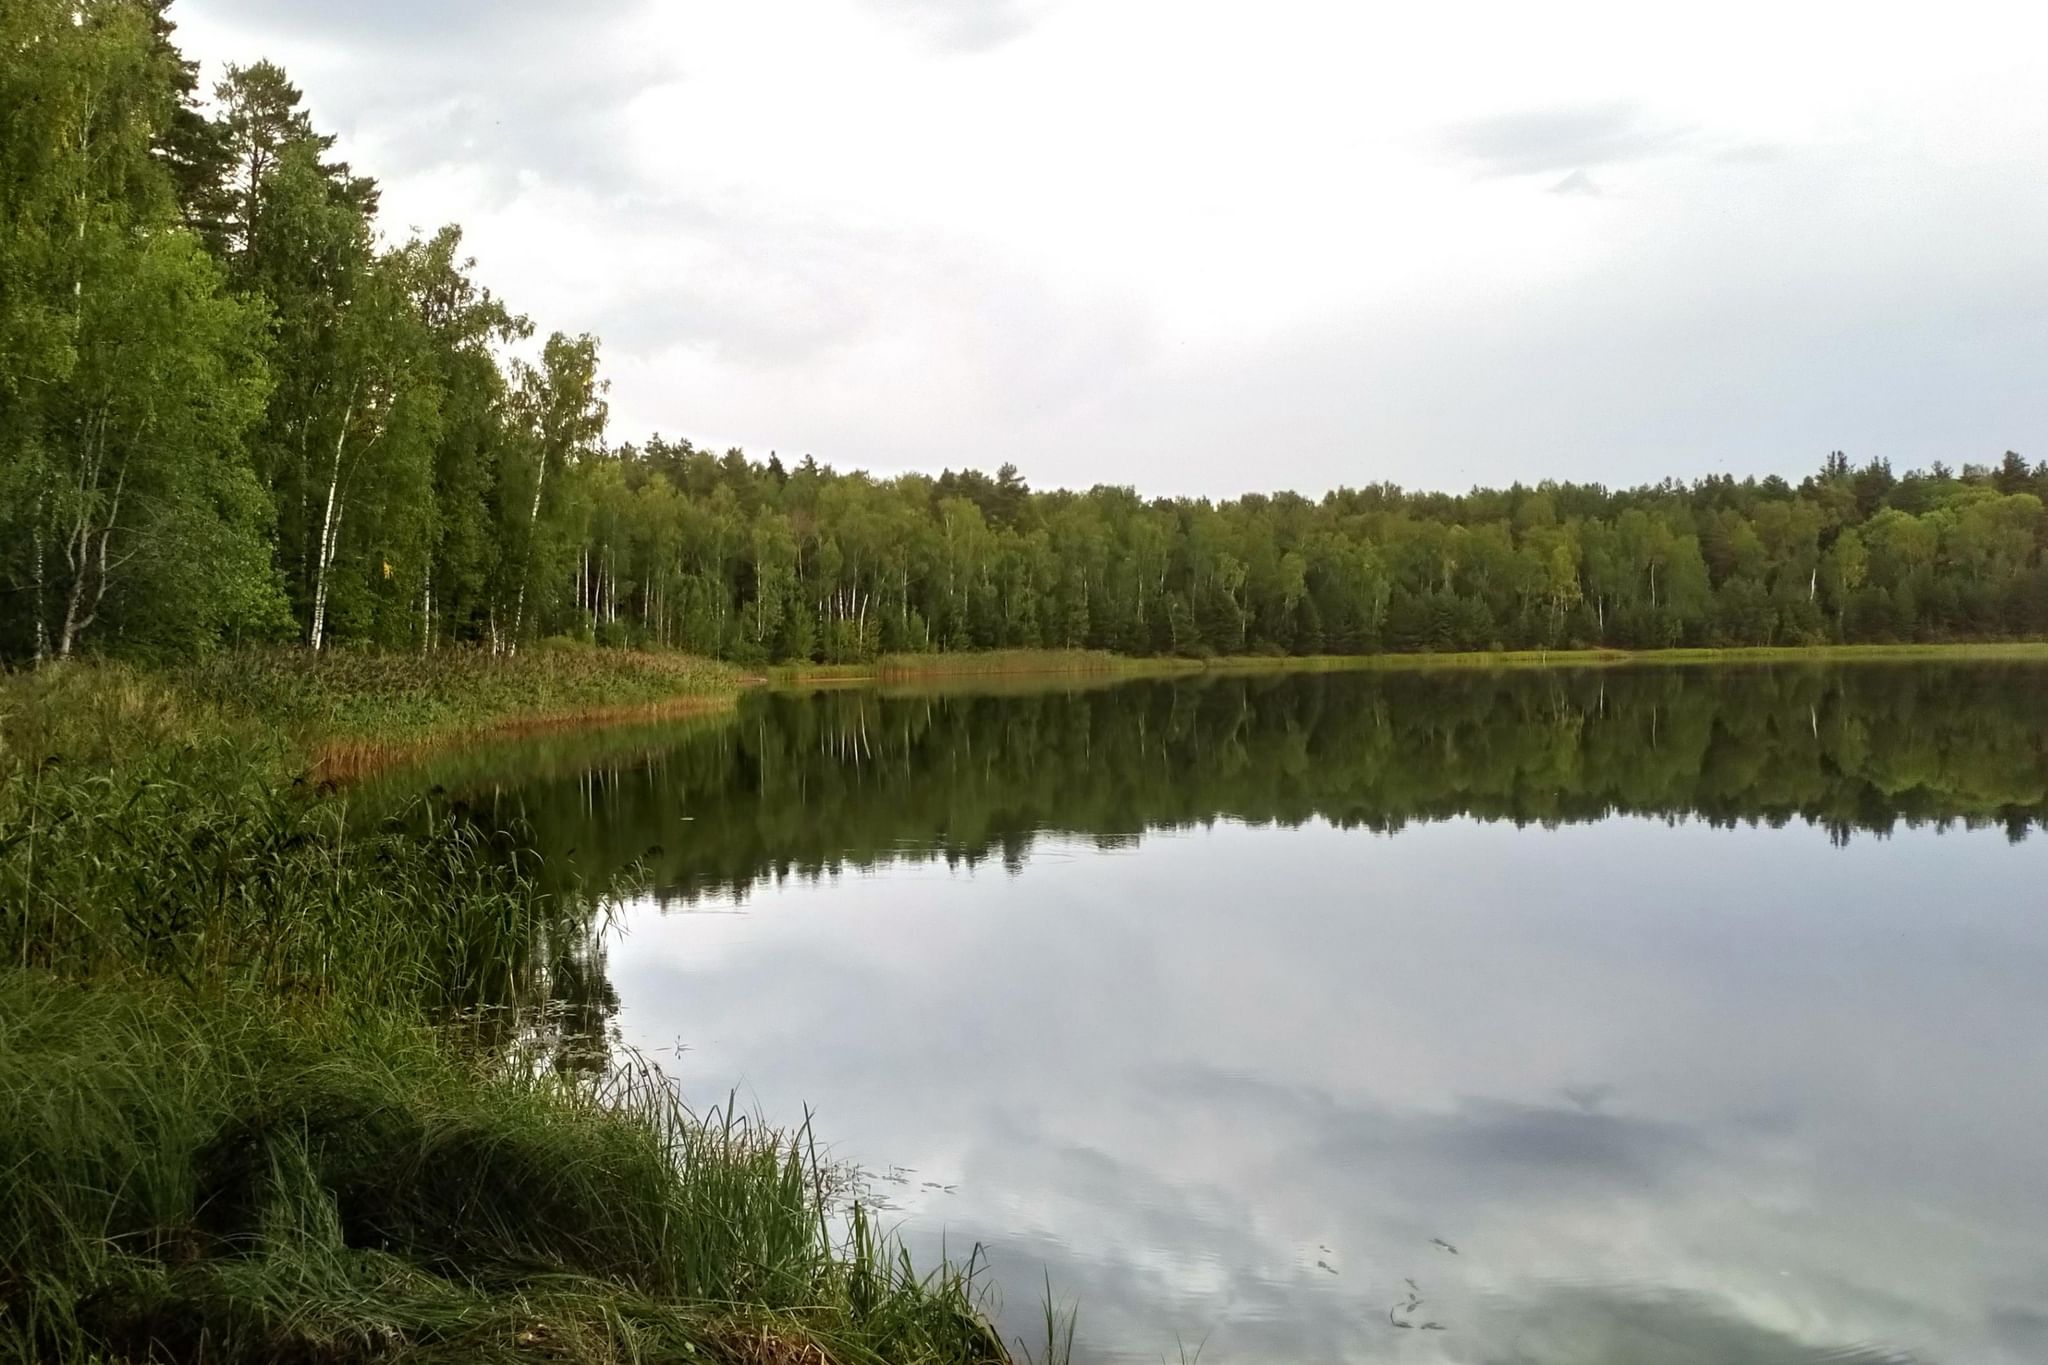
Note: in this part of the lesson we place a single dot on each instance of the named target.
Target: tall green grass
(345, 695)
(552, 754)
(228, 1178)
(190, 862)
(268, 1088)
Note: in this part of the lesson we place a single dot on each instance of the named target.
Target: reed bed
(977, 663)
(895, 667)
(375, 697)
(2013, 651)
(1031, 663)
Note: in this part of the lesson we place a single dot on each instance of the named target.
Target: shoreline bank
(1095, 663)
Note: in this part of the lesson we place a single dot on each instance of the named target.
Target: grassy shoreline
(343, 760)
(352, 714)
(2036, 651)
(964, 664)
(1097, 663)
(276, 1087)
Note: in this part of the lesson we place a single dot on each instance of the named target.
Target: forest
(235, 410)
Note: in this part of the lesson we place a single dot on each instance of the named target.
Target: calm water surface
(1704, 1013)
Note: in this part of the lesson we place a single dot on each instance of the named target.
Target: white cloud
(1122, 241)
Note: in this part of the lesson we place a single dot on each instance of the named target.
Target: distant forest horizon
(233, 411)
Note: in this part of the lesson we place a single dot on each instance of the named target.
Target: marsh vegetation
(282, 1084)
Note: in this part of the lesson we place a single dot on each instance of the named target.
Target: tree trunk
(73, 601)
(88, 551)
(540, 479)
(330, 523)
(93, 568)
(42, 624)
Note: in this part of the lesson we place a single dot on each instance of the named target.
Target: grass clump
(225, 1178)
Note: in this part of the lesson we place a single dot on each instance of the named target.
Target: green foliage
(128, 376)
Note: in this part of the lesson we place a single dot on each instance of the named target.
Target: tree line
(231, 410)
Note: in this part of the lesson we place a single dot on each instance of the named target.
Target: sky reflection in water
(1675, 1092)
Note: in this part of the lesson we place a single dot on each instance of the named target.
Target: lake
(1621, 1015)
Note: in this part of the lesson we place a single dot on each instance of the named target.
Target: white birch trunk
(540, 479)
(330, 522)
(42, 625)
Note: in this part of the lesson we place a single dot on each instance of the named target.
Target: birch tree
(376, 434)
(465, 326)
(560, 411)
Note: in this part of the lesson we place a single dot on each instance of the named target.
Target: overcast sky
(1204, 248)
